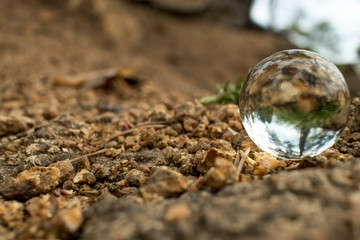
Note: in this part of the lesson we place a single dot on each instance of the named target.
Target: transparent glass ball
(294, 103)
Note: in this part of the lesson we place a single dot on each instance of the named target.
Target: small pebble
(164, 182)
(69, 143)
(135, 178)
(84, 176)
(66, 170)
(223, 173)
(30, 183)
(53, 149)
(178, 212)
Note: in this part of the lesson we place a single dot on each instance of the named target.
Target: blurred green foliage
(225, 94)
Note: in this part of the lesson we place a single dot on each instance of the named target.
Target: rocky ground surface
(102, 135)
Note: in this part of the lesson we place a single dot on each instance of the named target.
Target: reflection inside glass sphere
(294, 104)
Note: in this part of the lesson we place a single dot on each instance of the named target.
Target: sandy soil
(102, 135)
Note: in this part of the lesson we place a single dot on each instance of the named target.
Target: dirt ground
(103, 136)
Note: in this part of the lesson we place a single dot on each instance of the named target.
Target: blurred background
(329, 27)
(184, 47)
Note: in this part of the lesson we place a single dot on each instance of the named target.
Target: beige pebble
(177, 212)
(84, 176)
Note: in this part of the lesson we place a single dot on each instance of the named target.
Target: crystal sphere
(294, 103)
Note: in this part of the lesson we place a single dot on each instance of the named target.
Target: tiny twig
(108, 138)
(237, 158)
(111, 137)
(153, 123)
(232, 131)
(74, 160)
(292, 167)
(242, 161)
